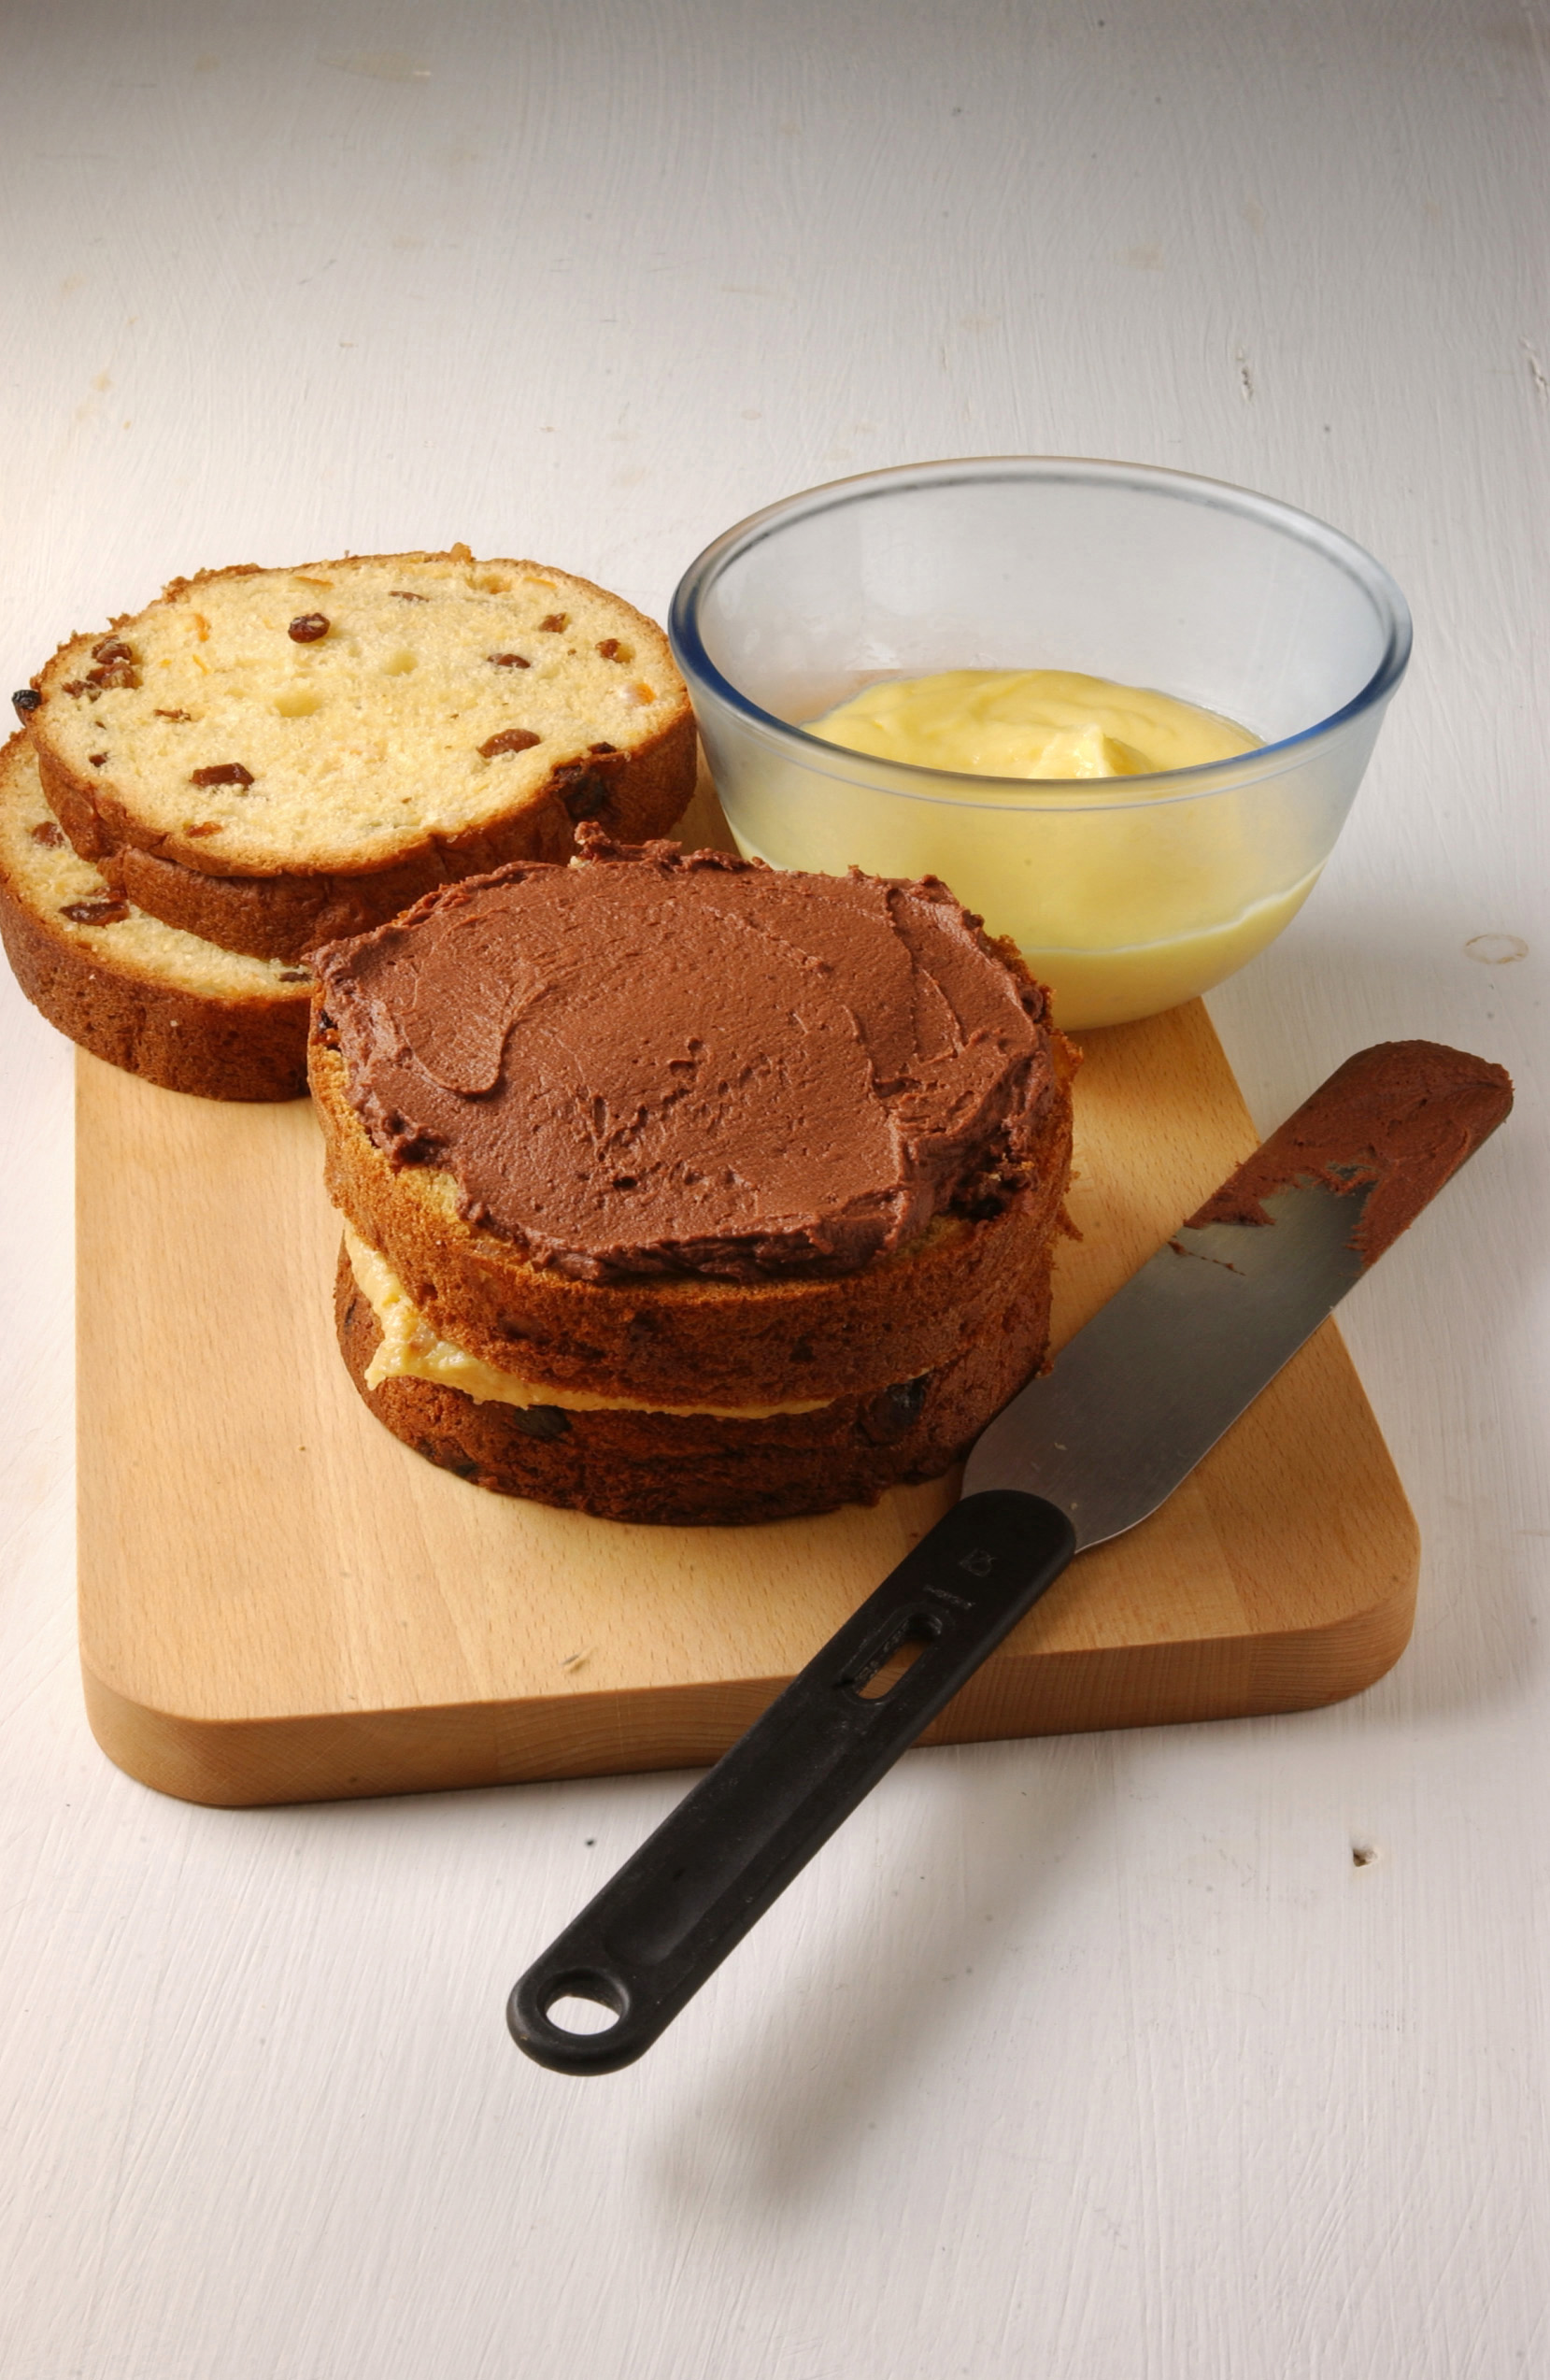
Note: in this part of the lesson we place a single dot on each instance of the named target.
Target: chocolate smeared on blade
(1395, 1120)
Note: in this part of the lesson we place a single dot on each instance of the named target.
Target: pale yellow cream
(1047, 724)
(1125, 896)
(412, 1349)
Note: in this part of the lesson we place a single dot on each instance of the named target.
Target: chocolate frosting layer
(1395, 1120)
(660, 1062)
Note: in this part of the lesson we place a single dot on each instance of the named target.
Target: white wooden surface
(1100, 2058)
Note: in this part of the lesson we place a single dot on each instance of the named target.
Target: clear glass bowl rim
(936, 785)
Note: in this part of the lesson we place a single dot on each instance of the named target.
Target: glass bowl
(1125, 895)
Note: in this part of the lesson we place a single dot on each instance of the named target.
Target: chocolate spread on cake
(659, 1062)
(1395, 1120)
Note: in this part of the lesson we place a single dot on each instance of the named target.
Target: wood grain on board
(279, 1602)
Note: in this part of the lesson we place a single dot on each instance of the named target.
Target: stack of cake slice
(263, 760)
(676, 1188)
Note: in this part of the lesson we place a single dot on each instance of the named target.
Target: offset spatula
(1132, 1403)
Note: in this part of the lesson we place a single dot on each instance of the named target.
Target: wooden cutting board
(279, 1602)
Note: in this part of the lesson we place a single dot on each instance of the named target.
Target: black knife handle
(669, 1917)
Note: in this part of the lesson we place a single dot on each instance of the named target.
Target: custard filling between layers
(412, 1349)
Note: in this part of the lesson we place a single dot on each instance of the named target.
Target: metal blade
(1145, 1390)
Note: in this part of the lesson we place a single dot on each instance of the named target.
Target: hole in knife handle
(584, 2005)
(893, 1660)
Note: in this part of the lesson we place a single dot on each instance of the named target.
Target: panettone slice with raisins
(272, 758)
(157, 1001)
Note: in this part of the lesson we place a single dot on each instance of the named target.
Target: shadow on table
(875, 1995)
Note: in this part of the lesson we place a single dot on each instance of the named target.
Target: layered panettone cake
(679, 1189)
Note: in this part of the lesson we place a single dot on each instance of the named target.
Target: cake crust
(132, 990)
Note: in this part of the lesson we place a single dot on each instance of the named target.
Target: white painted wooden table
(1098, 2057)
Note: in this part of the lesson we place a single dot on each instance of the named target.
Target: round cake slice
(272, 758)
(159, 1003)
(681, 1189)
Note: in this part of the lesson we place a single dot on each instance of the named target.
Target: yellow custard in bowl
(1046, 726)
(1115, 956)
(858, 661)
